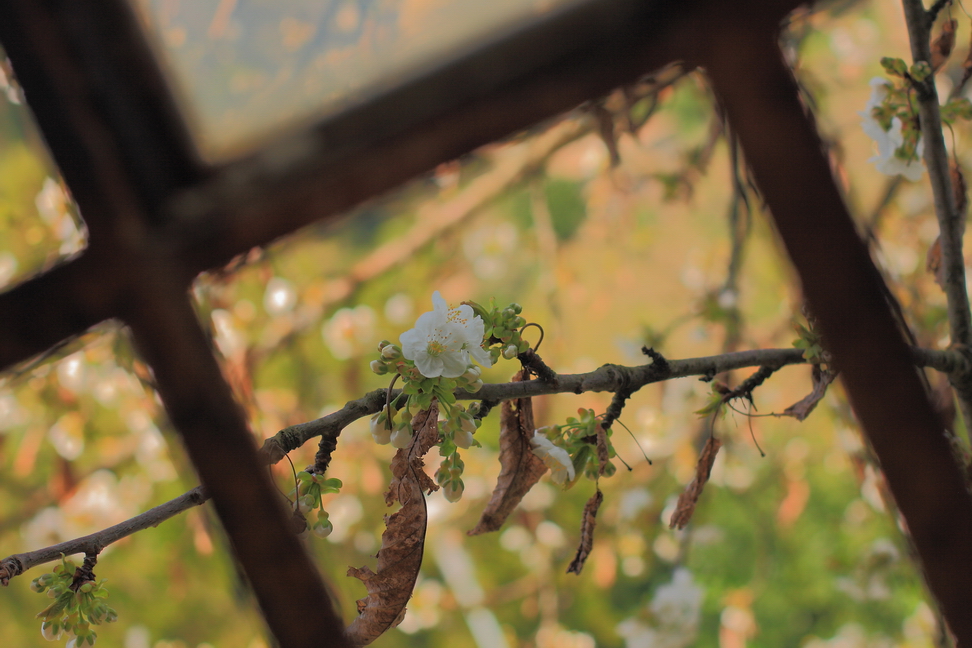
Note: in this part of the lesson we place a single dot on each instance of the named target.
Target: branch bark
(613, 378)
(950, 221)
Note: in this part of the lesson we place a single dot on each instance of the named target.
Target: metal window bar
(158, 216)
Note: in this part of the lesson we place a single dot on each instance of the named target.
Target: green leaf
(894, 66)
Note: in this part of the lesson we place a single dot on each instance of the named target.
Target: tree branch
(950, 221)
(94, 543)
(608, 378)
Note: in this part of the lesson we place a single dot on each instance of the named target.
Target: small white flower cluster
(555, 458)
(888, 141)
(445, 341)
(676, 609)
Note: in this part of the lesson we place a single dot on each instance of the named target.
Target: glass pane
(248, 67)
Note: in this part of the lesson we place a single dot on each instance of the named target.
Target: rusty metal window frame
(158, 216)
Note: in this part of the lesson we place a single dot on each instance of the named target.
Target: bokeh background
(795, 548)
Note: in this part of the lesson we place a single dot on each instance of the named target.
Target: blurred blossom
(229, 339)
(889, 141)
(676, 609)
(53, 206)
(12, 413)
(516, 538)
(551, 535)
(678, 603)
(633, 502)
(71, 372)
(344, 512)
(137, 636)
(8, 88)
(94, 505)
(51, 201)
(349, 332)
(489, 247)
(280, 296)
(67, 436)
(152, 449)
(539, 498)
(8, 268)
(399, 309)
(46, 528)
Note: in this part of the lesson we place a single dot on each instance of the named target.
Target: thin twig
(611, 378)
(950, 221)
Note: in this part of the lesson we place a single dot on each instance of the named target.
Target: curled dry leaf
(959, 189)
(821, 380)
(520, 468)
(690, 496)
(588, 522)
(402, 543)
(933, 262)
(942, 46)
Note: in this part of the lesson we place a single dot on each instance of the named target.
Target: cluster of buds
(578, 438)
(310, 488)
(78, 605)
(449, 477)
(503, 331)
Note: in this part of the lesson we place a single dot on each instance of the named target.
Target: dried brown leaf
(690, 496)
(402, 543)
(959, 188)
(821, 380)
(942, 46)
(933, 262)
(520, 468)
(588, 522)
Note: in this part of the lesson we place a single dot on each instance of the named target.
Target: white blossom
(555, 458)
(889, 141)
(678, 603)
(380, 431)
(463, 437)
(444, 340)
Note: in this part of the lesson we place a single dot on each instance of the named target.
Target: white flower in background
(444, 340)
(677, 611)
(678, 603)
(888, 141)
(555, 458)
(349, 331)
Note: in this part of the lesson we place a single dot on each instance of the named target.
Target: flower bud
(472, 373)
(306, 504)
(453, 490)
(401, 437)
(475, 386)
(49, 632)
(509, 352)
(391, 352)
(379, 367)
(383, 344)
(323, 529)
(379, 430)
(463, 438)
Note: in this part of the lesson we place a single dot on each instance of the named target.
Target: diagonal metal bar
(98, 115)
(544, 69)
(843, 289)
(102, 102)
(285, 581)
